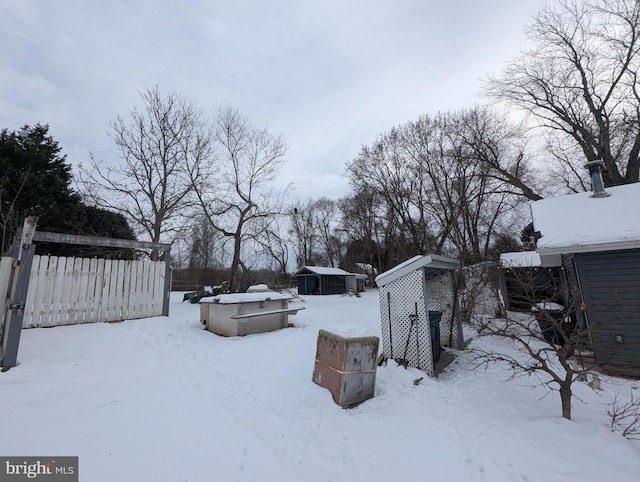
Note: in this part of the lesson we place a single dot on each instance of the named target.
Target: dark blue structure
(319, 280)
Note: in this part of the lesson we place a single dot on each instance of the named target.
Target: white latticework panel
(261, 323)
(405, 325)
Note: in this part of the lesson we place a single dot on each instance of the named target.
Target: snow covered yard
(161, 399)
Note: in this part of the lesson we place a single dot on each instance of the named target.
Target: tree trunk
(234, 281)
(565, 397)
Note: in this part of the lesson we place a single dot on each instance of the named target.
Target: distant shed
(321, 280)
(598, 239)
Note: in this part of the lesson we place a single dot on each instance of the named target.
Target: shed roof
(321, 270)
(415, 263)
(581, 223)
(528, 259)
(521, 259)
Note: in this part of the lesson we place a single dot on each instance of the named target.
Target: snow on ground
(161, 399)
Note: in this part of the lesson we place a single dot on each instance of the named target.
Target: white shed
(419, 311)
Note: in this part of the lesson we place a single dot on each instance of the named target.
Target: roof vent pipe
(597, 184)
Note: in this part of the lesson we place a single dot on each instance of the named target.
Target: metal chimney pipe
(597, 183)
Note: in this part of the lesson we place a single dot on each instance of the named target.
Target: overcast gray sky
(329, 75)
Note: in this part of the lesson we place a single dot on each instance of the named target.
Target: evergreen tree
(35, 179)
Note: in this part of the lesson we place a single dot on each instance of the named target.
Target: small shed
(597, 236)
(321, 280)
(525, 279)
(419, 311)
(360, 282)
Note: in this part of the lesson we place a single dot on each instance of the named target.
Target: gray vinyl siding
(610, 284)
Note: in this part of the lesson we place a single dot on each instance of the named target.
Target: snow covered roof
(581, 223)
(417, 262)
(521, 259)
(258, 288)
(322, 270)
(232, 298)
(528, 259)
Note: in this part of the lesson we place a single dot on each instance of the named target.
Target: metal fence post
(14, 325)
(167, 281)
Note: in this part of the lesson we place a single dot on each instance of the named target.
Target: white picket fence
(67, 291)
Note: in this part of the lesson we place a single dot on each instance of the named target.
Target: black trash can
(434, 328)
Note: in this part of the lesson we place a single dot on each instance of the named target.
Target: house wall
(610, 285)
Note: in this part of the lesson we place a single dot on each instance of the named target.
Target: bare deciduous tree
(545, 344)
(207, 246)
(327, 239)
(624, 417)
(276, 247)
(8, 218)
(238, 199)
(367, 232)
(387, 170)
(500, 146)
(449, 183)
(579, 80)
(302, 231)
(163, 147)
